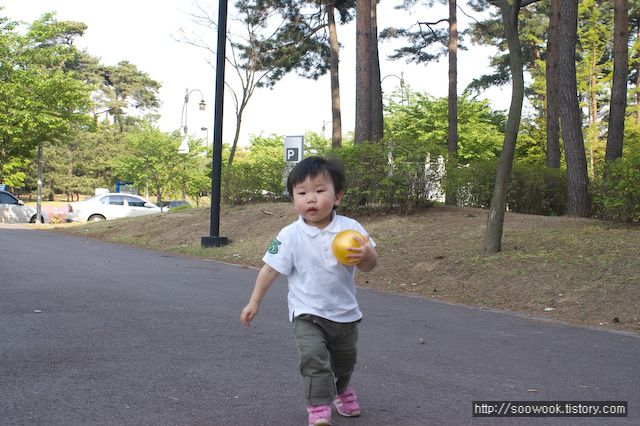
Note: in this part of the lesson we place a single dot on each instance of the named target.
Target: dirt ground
(581, 271)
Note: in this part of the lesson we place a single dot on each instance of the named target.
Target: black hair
(314, 166)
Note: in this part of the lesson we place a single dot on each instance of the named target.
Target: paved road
(95, 333)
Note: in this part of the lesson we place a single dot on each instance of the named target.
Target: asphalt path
(93, 333)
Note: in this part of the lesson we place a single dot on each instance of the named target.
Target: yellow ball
(342, 242)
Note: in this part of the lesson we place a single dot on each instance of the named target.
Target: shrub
(378, 176)
(399, 176)
(537, 189)
(473, 183)
(533, 189)
(365, 174)
(256, 175)
(616, 192)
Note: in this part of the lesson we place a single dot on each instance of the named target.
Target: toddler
(322, 293)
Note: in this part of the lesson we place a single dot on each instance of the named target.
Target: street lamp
(214, 239)
(324, 125)
(206, 129)
(401, 78)
(183, 117)
(184, 146)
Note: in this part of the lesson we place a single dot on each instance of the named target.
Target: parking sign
(293, 154)
(293, 146)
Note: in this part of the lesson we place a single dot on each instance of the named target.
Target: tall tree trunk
(248, 87)
(363, 77)
(452, 135)
(369, 117)
(638, 87)
(570, 115)
(593, 126)
(638, 84)
(336, 116)
(615, 137)
(553, 106)
(495, 222)
(236, 138)
(377, 109)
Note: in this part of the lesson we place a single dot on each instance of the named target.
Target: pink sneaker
(346, 403)
(319, 415)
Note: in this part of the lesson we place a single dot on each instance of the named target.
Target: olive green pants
(328, 352)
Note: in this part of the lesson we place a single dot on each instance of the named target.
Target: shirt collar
(312, 231)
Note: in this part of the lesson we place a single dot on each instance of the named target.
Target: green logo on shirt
(274, 246)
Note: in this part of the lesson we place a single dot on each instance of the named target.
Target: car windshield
(6, 198)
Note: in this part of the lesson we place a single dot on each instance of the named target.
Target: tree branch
(434, 23)
(522, 3)
(429, 24)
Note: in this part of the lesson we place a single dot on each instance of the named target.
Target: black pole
(214, 240)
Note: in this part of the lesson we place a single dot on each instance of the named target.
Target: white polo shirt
(318, 283)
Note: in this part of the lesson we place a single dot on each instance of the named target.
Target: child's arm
(365, 255)
(266, 277)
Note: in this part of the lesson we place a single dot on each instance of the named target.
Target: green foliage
(421, 126)
(386, 175)
(152, 154)
(366, 169)
(117, 90)
(256, 173)
(631, 137)
(315, 143)
(406, 171)
(615, 190)
(536, 189)
(194, 178)
(46, 82)
(616, 193)
(473, 183)
(532, 24)
(532, 141)
(124, 86)
(39, 99)
(81, 164)
(427, 44)
(285, 37)
(13, 174)
(533, 188)
(182, 207)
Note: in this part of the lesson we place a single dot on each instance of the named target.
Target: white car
(13, 210)
(110, 206)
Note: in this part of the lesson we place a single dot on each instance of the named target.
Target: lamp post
(206, 129)
(324, 125)
(201, 106)
(184, 146)
(214, 239)
(401, 78)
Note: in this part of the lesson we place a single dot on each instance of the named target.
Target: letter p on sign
(292, 154)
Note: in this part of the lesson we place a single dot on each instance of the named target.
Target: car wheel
(95, 218)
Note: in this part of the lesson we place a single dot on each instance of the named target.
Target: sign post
(293, 154)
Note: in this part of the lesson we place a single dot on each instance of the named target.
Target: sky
(144, 33)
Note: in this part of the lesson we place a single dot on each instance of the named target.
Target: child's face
(314, 199)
